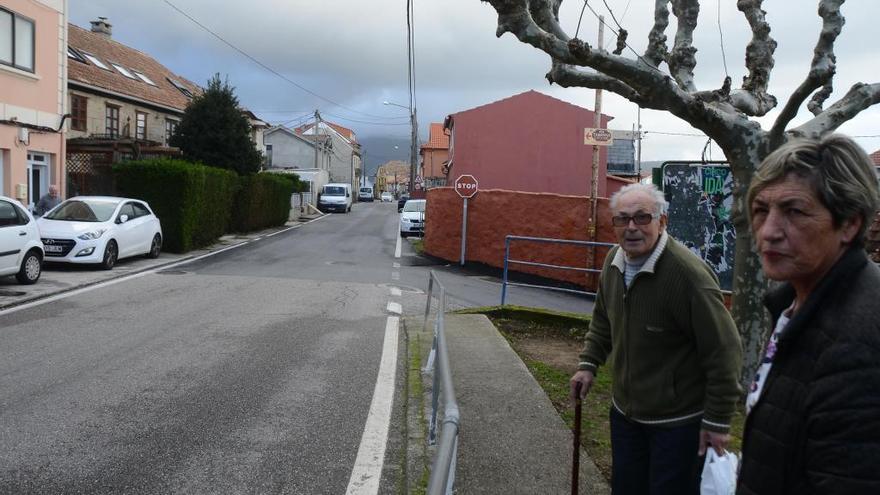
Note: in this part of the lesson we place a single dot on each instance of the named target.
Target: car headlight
(95, 234)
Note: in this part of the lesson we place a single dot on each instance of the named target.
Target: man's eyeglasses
(638, 218)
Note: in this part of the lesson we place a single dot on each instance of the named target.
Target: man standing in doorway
(47, 202)
(674, 351)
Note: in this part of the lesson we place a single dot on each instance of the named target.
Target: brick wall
(495, 213)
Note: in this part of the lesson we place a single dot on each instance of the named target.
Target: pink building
(33, 80)
(527, 142)
(435, 156)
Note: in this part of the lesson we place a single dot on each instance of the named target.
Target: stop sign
(466, 186)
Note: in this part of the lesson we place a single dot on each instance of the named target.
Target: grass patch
(418, 245)
(415, 397)
(545, 341)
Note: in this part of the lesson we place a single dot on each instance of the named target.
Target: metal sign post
(466, 186)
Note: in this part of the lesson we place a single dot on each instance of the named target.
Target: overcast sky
(353, 53)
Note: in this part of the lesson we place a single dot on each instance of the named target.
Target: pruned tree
(663, 79)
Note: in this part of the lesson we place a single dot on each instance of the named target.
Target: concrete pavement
(511, 439)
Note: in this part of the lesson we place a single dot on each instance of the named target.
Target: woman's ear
(850, 229)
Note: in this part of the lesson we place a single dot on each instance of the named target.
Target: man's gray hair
(839, 171)
(661, 205)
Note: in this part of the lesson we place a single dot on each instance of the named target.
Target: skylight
(183, 89)
(123, 71)
(144, 78)
(75, 55)
(95, 60)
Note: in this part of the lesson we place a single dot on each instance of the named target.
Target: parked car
(402, 201)
(335, 197)
(21, 252)
(387, 197)
(365, 194)
(412, 217)
(100, 230)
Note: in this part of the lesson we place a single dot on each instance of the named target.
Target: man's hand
(585, 378)
(718, 441)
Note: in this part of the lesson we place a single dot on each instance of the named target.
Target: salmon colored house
(435, 155)
(528, 142)
(33, 80)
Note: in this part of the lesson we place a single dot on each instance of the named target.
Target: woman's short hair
(661, 205)
(839, 171)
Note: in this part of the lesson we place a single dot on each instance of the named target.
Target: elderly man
(47, 202)
(675, 354)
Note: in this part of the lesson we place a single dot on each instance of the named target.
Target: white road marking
(395, 275)
(395, 308)
(371, 454)
(395, 265)
(396, 292)
(397, 247)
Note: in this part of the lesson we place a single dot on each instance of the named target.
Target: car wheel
(31, 268)
(403, 234)
(111, 253)
(155, 247)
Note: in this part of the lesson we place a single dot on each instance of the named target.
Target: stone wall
(493, 214)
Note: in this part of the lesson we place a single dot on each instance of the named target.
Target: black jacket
(816, 427)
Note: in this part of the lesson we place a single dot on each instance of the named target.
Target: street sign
(466, 186)
(598, 137)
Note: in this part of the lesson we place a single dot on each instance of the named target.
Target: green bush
(192, 201)
(263, 200)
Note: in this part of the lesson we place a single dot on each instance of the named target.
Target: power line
(264, 66)
(365, 121)
(721, 38)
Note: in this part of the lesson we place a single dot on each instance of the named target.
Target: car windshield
(366, 190)
(334, 191)
(414, 206)
(84, 210)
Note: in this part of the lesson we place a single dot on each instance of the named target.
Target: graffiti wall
(700, 200)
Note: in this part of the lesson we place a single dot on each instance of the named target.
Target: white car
(100, 230)
(412, 217)
(387, 197)
(21, 252)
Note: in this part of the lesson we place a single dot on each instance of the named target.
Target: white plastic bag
(719, 474)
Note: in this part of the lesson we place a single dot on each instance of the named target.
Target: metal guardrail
(443, 468)
(507, 261)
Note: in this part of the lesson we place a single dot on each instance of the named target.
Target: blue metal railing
(443, 468)
(508, 262)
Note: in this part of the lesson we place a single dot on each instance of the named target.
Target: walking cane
(576, 442)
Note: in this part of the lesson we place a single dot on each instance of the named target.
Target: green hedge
(192, 201)
(263, 200)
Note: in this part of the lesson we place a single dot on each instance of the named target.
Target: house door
(38, 177)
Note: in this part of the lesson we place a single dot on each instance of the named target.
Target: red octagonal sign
(466, 186)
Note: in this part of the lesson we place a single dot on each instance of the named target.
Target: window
(123, 70)
(170, 127)
(140, 130)
(144, 78)
(8, 214)
(126, 209)
(111, 121)
(140, 210)
(268, 155)
(16, 41)
(95, 60)
(78, 112)
(180, 87)
(72, 53)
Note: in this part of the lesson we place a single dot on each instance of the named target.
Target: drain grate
(172, 272)
(12, 293)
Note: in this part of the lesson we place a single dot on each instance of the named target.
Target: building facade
(434, 157)
(345, 156)
(33, 72)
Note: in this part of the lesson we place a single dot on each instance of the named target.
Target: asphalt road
(251, 371)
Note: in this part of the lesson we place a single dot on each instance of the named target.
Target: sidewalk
(511, 439)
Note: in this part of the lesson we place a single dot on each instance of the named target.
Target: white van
(335, 196)
(365, 194)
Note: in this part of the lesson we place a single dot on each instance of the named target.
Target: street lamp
(414, 152)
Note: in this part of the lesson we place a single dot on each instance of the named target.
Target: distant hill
(379, 149)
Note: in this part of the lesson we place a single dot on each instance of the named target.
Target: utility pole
(594, 179)
(414, 152)
(315, 133)
(639, 128)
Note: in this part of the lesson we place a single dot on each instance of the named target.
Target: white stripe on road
(396, 292)
(367, 470)
(395, 308)
(395, 265)
(397, 247)
(395, 275)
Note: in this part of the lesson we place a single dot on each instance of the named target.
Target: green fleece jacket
(675, 352)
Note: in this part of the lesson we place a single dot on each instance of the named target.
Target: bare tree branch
(657, 51)
(759, 55)
(821, 70)
(568, 76)
(858, 98)
(683, 58)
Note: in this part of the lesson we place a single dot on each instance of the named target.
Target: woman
(813, 412)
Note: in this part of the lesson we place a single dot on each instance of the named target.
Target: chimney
(101, 26)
